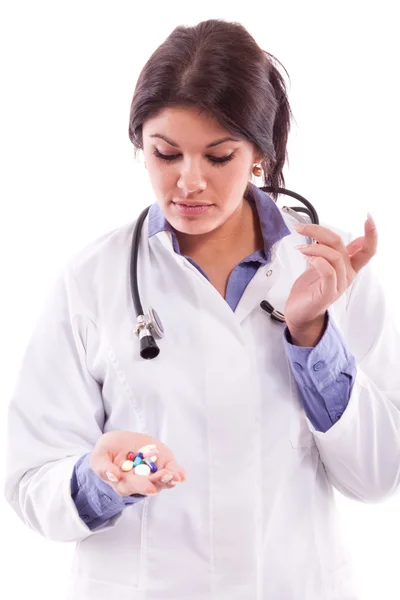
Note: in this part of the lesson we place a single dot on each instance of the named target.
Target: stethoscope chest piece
(148, 326)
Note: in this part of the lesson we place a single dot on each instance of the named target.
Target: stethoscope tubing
(150, 324)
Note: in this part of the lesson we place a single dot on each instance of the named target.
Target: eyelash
(216, 162)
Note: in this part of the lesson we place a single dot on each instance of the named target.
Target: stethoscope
(149, 325)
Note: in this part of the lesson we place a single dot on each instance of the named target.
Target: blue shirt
(324, 374)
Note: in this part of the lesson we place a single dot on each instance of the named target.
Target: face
(199, 183)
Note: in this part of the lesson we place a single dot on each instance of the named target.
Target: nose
(191, 180)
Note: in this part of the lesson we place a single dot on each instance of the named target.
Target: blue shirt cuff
(324, 374)
(94, 499)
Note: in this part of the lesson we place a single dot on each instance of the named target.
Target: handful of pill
(144, 462)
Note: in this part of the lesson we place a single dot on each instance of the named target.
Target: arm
(361, 452)
(55, 417)
(96, 502)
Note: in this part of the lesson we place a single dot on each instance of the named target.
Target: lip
(192, 203)
(192, 208)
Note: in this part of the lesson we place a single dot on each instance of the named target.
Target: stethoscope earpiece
(274, 314)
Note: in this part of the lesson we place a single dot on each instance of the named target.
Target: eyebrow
(216, 143)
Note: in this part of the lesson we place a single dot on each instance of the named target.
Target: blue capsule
(137, 461)
(149, 463)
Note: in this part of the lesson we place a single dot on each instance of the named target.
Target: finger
(336, 260)
(355, 246)
(164, 479)
(369, 248)
(104, 467)
(162, 476)
(124, 483)
(167, 478)
(135, 484)
(146, 485)
(177, 470)
(328, 278)
(323, 235)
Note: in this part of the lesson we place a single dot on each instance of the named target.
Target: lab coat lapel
(272, 281)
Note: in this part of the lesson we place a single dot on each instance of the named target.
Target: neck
(239, 237)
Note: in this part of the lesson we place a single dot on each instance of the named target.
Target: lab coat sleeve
(55, 416)
(361, 451)
(312, 367)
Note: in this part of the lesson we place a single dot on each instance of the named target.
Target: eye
(214, 160)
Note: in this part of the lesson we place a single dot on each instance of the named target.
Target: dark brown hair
(218, 66)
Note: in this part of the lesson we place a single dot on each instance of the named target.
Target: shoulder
(102, 259)
(94, 271)
(103, 249)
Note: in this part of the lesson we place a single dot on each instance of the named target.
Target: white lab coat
(256, 519)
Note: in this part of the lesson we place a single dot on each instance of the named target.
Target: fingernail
(166, 478)
(152, 494)
(111, 477)
(303, 246)
(299, 227)
(173, 482)
(369, 218)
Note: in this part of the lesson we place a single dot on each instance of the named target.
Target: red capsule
(130, 456)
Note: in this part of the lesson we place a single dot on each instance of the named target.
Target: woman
(252, 424)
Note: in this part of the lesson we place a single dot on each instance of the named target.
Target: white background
(68, 72)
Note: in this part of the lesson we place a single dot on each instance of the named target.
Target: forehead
(181, 124)
(183, 114)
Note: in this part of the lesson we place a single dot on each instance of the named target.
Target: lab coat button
(338, 415)
(269, 273)
(318, 365)
(298, 366)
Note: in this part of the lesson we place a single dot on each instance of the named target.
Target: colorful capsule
(149, 463)
(130, 456)
(127, 465)
(142, 470)
(137, 461)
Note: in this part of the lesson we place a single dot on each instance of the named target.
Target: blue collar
(273, 226)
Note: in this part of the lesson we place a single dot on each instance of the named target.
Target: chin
(194, 228)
